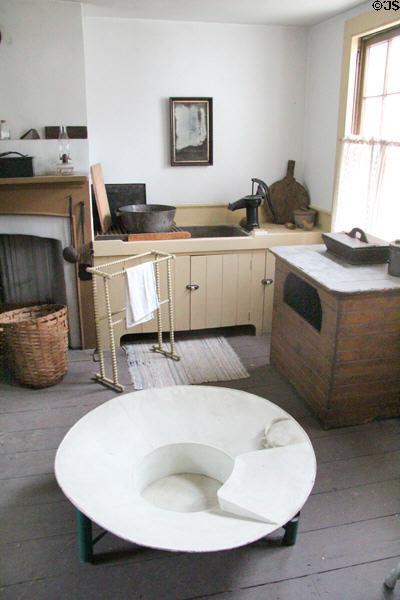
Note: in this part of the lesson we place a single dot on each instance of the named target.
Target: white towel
(141, 294)
(282, 431)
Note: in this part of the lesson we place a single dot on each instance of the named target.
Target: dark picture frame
(191, 127)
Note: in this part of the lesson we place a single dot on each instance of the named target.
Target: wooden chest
(336, 335)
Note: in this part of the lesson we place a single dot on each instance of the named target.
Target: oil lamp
(65, 166)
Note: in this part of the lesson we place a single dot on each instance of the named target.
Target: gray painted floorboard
(349, 534)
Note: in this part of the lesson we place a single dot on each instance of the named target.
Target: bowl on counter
(146, 218)
(304, 217)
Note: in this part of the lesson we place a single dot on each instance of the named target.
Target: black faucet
(251, 204)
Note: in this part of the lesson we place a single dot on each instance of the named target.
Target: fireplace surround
(39, 206)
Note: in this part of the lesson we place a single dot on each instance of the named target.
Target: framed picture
(191, 131)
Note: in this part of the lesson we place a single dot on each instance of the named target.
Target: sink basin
(205, 231)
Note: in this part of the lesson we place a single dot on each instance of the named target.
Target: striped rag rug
(202, 360)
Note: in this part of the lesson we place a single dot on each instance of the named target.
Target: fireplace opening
(31, 271)
(304, 299)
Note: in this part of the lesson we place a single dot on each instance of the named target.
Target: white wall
(324, 62)
(256, 76)
(42, 67)
(42, 76)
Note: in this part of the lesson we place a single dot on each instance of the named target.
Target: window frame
(365, 24)
(364, 43)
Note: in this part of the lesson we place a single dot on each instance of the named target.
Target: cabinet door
(206, 288)
(268, 292)
(180, 270)
(251, 267)
(257, 290)
(210, 301)
(229, 290)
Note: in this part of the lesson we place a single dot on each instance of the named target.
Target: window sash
(367, 194)
(364, 44)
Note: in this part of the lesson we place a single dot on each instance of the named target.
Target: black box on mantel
(20, 165)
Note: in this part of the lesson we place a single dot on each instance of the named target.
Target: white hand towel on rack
(141, 294)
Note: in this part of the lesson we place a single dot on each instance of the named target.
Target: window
(377, 110)
(368, 193)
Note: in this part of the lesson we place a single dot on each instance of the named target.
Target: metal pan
(146, 218)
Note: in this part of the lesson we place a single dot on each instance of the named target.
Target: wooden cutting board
(286, 195)
(162, 235)
(100, 195)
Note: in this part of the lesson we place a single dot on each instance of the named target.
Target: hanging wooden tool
(286, 195)
(100, 194)
(84, 275)
(70, 253)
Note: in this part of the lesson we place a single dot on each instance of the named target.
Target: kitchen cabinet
(214, 290)
(218, 282)
(230, 290)
(209, 290)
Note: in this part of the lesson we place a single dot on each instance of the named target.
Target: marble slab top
(335, 274)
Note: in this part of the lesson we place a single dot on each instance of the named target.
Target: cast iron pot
(146, 218)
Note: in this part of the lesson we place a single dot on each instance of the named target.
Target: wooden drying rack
(101, 271)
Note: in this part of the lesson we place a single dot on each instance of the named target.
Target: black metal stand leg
(289, 539)
(85, 538)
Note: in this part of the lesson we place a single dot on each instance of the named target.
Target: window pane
(374, 74)
(386, 223)
(371, 117)
(391, 117)
(393, 72)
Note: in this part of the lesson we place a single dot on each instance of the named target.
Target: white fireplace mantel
(51, 198)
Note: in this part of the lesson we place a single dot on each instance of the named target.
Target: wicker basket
(37, 343)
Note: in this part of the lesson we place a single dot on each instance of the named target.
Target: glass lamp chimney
(63, 145)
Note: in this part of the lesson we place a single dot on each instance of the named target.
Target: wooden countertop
(273, 235)
(334, 274)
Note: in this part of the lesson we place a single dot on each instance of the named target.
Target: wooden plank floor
(349, 536)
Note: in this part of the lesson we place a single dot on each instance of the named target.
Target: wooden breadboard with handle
(100, 194)
(287, 195)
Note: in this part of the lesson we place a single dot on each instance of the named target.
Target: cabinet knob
(267, 281)
(192, 286)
